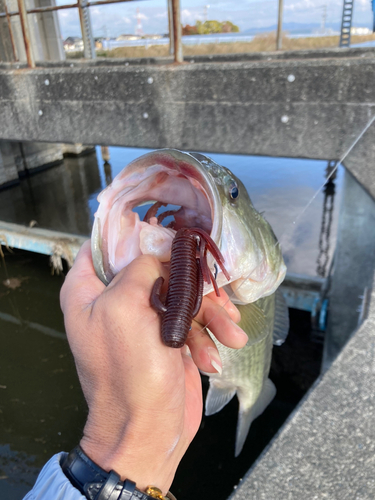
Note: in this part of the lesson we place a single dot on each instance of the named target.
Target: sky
(121, 18)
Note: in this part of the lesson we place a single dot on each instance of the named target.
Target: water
(42, 410)
(109, 44)
(64, 199)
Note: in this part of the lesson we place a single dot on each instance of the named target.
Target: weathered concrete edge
(326, 448)
(333, 52)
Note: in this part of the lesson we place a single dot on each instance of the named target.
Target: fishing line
(355, 142)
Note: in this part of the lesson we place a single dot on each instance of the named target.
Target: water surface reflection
(64, 198)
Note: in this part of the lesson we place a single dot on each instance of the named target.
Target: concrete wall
(301, 107)
(44, 29)
(8, 168)
(327, 447)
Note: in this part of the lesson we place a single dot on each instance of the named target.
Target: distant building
(360, 31)
(128, 37)
(153, 37)
(73, 44)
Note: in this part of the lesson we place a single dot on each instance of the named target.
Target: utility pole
(206, 7)
(280, 26)
(324, 18)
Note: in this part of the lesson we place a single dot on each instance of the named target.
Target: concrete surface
(326, 450)
(299, 107)
(354, 264)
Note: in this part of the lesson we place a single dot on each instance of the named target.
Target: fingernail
(215, 359)
(239, 332)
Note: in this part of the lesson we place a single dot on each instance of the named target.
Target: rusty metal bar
(177, 32)
(26, 33)
(103, 2)
(170, 27)
(11, 32)
(279, 36)
(41, 10)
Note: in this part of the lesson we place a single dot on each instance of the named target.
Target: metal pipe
(103, 2)
(177, 32)
(280, 26)
(41, 10)
(11, 32)
(26, 33)
(170, 26)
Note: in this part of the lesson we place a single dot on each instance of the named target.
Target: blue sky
(114, 19)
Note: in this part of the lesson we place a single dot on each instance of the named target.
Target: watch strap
(97, 484)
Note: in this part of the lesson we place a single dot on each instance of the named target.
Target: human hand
(144, 399)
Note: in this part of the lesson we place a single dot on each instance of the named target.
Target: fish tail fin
(247, 415)
(217, 398)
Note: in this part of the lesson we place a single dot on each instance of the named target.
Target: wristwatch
(97, 484)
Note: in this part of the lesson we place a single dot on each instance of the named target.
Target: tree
(209, 27)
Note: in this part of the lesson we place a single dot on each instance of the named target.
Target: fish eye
(233, 190)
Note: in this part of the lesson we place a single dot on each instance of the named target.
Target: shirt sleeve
(52, 484)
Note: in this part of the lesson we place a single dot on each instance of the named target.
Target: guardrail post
(177, 32)
(280, 26)
(26, 33)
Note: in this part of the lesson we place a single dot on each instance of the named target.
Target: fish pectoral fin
(247, 415)
(217, 398)
(281, 325)
(253, 322)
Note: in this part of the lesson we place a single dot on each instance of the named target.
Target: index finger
(224, 302)
(81, 286)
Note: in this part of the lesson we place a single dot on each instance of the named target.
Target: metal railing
(174, 14)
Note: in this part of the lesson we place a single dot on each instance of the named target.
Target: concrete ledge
(299, 107)
(327, 448)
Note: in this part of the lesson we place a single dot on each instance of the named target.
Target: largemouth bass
(210, 197)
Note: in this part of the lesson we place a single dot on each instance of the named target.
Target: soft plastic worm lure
(188, 270)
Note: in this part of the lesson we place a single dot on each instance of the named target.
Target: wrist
(135, 451)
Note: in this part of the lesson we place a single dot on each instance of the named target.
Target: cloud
(191, 16)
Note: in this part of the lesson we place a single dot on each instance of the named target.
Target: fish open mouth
(170, 190)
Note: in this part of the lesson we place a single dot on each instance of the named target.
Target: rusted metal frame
(177, 32)
(26, 33)
(11, 32)
(280, 26)
(103, 2)
(41, 10)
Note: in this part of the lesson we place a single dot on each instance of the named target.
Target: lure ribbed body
(188, 269)
(182, 290)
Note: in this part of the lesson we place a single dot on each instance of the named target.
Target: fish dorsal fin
(247, 415)
(253, 322)
(281, 325)
(217, 398)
